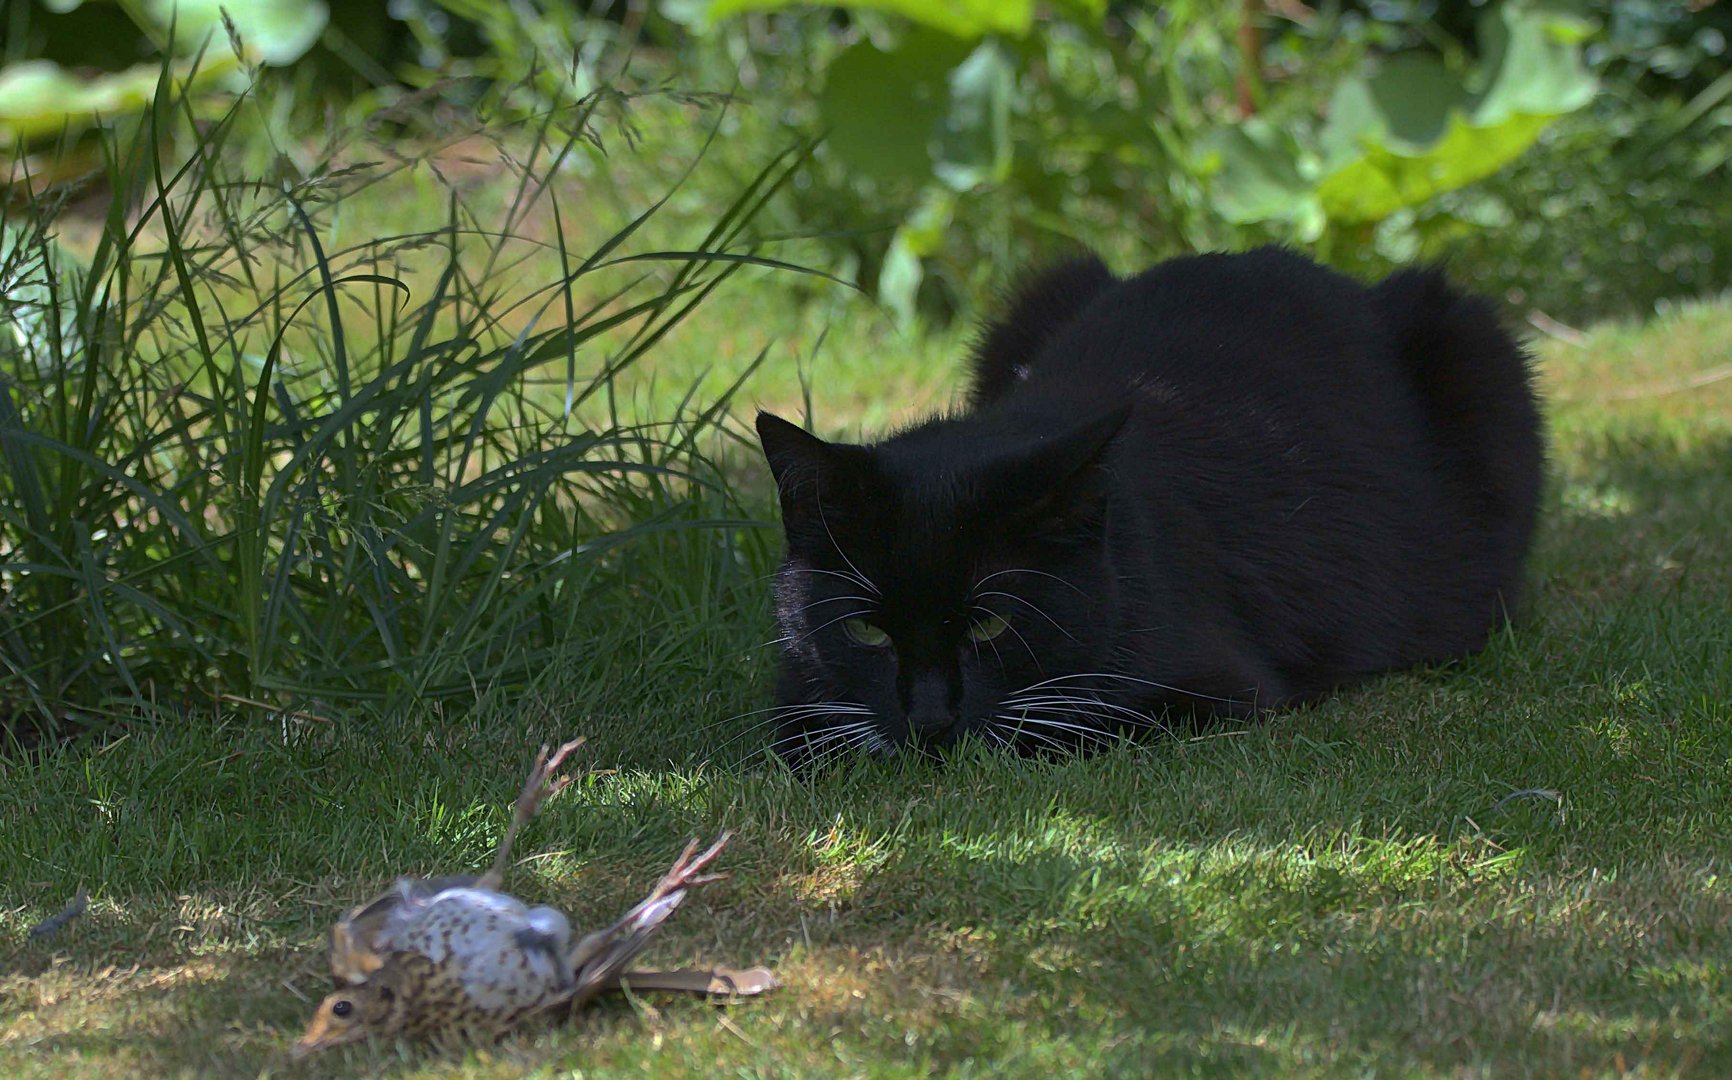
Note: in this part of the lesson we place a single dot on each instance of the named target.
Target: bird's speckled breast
(506, 956)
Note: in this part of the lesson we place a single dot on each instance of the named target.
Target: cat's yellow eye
(986, 629)
(865, 633)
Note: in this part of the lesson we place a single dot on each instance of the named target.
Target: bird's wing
(360, 939)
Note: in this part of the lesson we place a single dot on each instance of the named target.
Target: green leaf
(1388, 178)
(882, 108)
(276, 32)
(1413, 131)
(929, 107)
(34, 94)
(1538, 68)
(39, 97)
(921, 235)
(973, 144)
(1409, 101)
(1253, 175)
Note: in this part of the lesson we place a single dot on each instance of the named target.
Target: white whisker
(830, 573)
(1026, 723)
(1063, 700)
(865, 582)
(837, 741)
(1026, 647)
(1031, 605)
(832, 600)
(1131, 679)
(1033, 573)
(1022, 732)
(993, 641)
(785, 714)
(833, 622)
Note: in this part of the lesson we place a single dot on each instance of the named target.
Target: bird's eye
(987, 629)
(342, 1008)
(865, 633)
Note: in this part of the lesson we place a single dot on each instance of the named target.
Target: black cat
(1228, 483)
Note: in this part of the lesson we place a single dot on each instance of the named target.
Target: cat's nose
(930, 713)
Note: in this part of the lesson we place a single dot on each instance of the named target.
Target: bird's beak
(306, 1046)
(319, 1036)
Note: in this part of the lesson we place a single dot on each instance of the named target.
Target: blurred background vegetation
(1569, 154)
(345, 359)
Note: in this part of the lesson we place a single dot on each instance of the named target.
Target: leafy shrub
(986, 137)
(964, 140)
(1623, 204)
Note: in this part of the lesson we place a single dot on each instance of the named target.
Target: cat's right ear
(790, 449)
(807, 469)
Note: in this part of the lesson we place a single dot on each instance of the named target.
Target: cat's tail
(1038, 310)
(1477, 391)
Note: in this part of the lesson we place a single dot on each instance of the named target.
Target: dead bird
(457, 956)
(361, 940)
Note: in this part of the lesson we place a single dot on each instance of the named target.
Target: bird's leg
(648, 912)
(686, 870)
(536, 790)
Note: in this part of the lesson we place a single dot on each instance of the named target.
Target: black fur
(1230, 482)
(1043, 306)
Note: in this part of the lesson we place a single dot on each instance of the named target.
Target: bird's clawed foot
(541, 786)
(687, 870)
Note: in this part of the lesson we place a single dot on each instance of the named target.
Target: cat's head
(938, 581)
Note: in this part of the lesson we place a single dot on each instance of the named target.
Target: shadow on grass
(1165, 957)
(238, 1017)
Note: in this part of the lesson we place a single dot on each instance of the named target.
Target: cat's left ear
(1058, 477)
(1064, 457)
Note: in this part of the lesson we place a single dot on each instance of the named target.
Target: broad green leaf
(973, 142)
(966, 19)
(273, 31)
(882, 109)
(1413, 131)
(921, 235)
(923, 232)
(899, 281)
(1408, 101)
(1253, 175)
(1387, 178)
(39, 97)
(1538, 68)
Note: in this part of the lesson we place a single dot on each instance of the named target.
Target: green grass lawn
(1514, 867)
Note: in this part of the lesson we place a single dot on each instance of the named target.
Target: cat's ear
(806, 468)
(1057, 479)
(789, 448)
(1065, 457)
